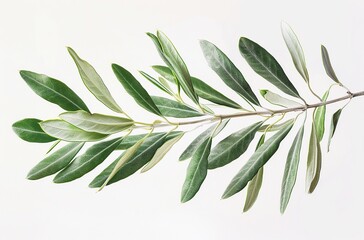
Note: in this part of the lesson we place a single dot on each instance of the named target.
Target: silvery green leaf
(327, 64)
(170, 108)
(273, 128)
(165, 72)
(313, 161)
(278, 100)
(320, 118)
(156, 82)
(29, 130)
(334, 122)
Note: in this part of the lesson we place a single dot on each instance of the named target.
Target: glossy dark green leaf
(227, 71)
(196, 171)
(255, 184)
(232, 147)
(135, 89)
(327, 64)
(257, 160)
(290, 170)
(334, 122)
(188, 152)
(87, 161)
(263, 63)
(29, 130)
(55, 162)
(67, 132)
(156, 83)
(320, 114)
(93, 82)
(170, 108)
(313, 161)
(53, 91)
(142, 156)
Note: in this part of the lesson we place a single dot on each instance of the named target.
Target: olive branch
(78, 125)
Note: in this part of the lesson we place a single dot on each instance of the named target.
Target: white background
(146, 206)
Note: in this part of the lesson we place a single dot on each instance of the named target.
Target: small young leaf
(87, 161)
(93, 82)
(29, 130)
(263, 63)
(67, 132)
(196, 171)
(313, 161)
(53, 91)
(290, 170)
(327, 64)
(135, 89)
(278, 100)
(165, 72)
(55, 162)
(156, 83)
(334, 122)
(227, 71)
(170, 108)
(273, 128)
(95, 122)
(161, 152)
(257, 160)
(295, 49)
(232, 146)
(320, 118)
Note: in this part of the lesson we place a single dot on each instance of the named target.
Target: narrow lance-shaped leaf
(257, 160)
(255, 184)
(290, 170)
(196, 171)
(166, 73)
(327, 64)
(53, 91)
(159, 48)
(334, 122)
(29, 130)
(55, 162)
(170, 108)
(232, 146)
(263, 63)
(87, 161)
(93, 82)
(156, 83)
(295, 49)
(273, 128)
(95, 122)
(227, 71)
(135, 89)
(278, 100)
(320, 114)
(313, 161)
(67, 132)
(161, 152)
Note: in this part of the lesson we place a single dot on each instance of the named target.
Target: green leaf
(55, 162)
(188, 152)
(143, 155)
(295, 49)
(156, 83)
(334, 122)
(161, 152)
(278, 100)
(135, 89)
(97, 123)
(255, 184)
(166, 73)
(227, 71)
(196, 171)
(320, 118)
(87, 161)
(327, 64)
(67, 132)
(94, 83)
(29, 130)
(170, 108)
(290, 170)
(263, 63)
(273, 128)
(313, 161)
(257, 160)
(232, 146)
(159, 47)
(53, 91)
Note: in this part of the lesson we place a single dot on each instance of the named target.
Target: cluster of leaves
(78, 125)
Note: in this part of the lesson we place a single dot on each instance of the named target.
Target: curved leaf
(53, 91)
(156, 83)
(313, 161)
(170, 108)
(320, 114)
(29, 130)
(67, 132)
(334, 122)
(55, 162)
(278, 100)
(257, 160)
(263, 63)
(135, 89)
(227, 71)
(165, 72)
(295, 49)
(97, 123)
(327, 64)
(87, 161)
(93, 82)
